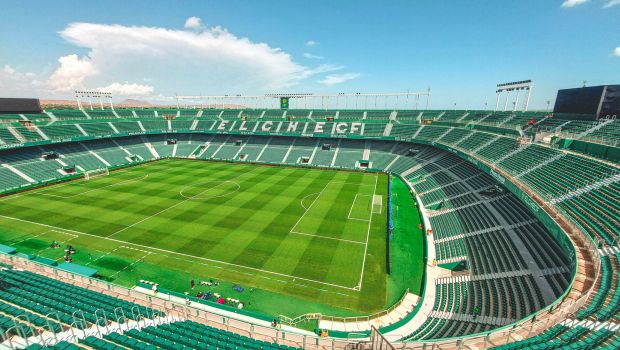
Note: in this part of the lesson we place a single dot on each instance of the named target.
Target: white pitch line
(353, 204)
(307, 210)
(356, 219)
(175, 205)
(104, 255)
(63, 242)
(349, 183)
(301, 202)
(326, 237)
(28, 237)
(44, 188)
(94, 189)
(367, 238)
(210, 188)
(182, 254)
(130, 265)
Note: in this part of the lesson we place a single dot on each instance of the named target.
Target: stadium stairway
(47, 310)
(39, 318)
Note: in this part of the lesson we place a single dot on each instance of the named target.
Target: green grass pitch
(299, 240)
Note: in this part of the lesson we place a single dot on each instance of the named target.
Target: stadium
(297, 220)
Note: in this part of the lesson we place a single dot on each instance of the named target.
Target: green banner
(284, 102)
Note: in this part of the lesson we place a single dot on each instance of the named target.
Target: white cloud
(610, 3)
(338, 78)
(14, 83)
(573, 3)
(213, 57)
(127, 89)
(311, 43)
(193, 23)
(71, 73)
(8, 70)
(210, 60)
(313, 57)
(323, 68)
(617, 51)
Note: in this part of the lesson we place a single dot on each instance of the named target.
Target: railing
(366, 318)
(379, 342)
(257, 331)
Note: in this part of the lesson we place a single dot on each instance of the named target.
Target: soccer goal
(96, 173)
(377, 204)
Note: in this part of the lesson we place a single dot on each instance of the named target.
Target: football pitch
(298, 239)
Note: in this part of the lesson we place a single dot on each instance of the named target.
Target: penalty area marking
(43, 188)
(358, 287)
(91, 190)
(353, 204)
(183, 254)
(73, 236)
(321, 192)
(327, 237)
(303, 199)
(132, 264)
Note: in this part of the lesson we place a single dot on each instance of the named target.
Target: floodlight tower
(80, 94)
(516, 86)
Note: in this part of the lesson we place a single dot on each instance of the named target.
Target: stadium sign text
(292, 127)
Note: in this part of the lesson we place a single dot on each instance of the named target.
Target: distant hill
(133, 103)
(58, 103)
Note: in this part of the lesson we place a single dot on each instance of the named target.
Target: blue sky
(460, 49)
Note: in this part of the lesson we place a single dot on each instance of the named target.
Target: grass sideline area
(298, 240)
(407, 245)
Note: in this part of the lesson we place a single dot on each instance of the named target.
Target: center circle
(209, 190)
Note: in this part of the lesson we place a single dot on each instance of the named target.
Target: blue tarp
(45, 261)
(7, 249)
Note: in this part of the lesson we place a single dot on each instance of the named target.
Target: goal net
(377, 204)
(96, 173)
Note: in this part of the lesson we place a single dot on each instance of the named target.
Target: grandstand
(520, 225)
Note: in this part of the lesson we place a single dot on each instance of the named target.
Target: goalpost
(88, 175)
